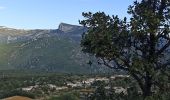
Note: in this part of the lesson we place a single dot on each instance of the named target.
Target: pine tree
(139, 45)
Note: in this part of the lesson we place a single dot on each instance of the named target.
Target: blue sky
(47, 14)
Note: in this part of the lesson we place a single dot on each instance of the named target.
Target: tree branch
(163, 48)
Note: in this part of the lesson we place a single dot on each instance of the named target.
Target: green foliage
(12, 82)
(139, 47)
(100, 93)
(16, 92)
(66, 96)
(98, 83)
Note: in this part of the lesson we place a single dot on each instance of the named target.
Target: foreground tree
(139, 46)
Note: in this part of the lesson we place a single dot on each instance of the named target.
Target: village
(84, 87)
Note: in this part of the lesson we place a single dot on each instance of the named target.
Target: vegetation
(16, 92)
(66, 96)
(52, 50)
(44, 54)
(12, 83)
(139, 45)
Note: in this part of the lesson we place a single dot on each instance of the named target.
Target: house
(29, 88)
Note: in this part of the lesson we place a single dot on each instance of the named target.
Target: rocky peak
(68, 27)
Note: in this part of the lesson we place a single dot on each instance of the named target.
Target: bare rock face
(66, 28)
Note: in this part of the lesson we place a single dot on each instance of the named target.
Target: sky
(48, 14)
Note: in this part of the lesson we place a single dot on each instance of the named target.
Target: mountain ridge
(56, 50)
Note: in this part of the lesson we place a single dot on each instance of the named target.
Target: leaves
(137, 46)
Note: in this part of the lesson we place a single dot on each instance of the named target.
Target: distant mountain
(54, 50)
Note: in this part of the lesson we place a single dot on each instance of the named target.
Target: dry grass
(17, 98)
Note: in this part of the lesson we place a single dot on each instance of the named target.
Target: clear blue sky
(47, 14)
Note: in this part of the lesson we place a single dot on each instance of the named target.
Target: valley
(54, 86)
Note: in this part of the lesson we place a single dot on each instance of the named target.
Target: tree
(100, 92)
(139, 45)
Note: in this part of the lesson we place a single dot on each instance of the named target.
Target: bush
(17, 92)
(67, 96)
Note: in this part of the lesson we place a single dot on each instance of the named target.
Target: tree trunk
(147, 87)
(144, 85)
(147, 91)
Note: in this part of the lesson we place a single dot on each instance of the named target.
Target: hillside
(53, 50)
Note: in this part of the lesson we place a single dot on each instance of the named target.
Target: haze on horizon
(47, 14)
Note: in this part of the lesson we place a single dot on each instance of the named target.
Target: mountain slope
(55, 50)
